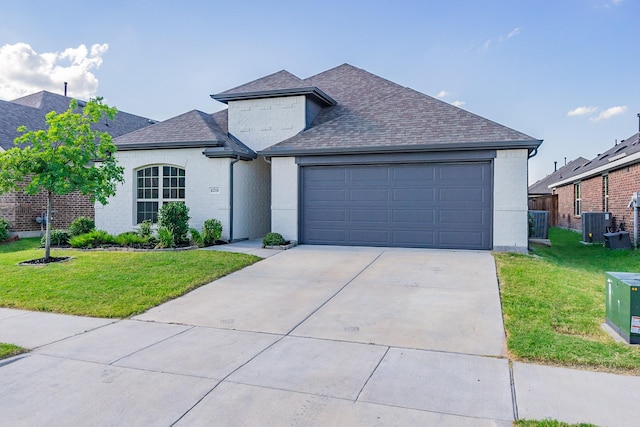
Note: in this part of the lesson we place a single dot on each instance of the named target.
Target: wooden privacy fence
(546, 202)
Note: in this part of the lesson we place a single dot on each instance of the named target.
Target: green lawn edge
(110, 284)
(553, 305)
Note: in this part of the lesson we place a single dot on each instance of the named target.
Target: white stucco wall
(510, 231)
(260, 123)
(201, 174)
(284, 197)
(251, 199)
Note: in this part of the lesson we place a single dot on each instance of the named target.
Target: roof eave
(216, 153)
(315, 93)
(168, 145)
(502, 145)
(632, 158)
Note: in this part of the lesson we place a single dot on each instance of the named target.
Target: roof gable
(188, 130)
(374, 113)
(280, 80)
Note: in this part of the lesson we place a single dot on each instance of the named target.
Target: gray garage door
(427, 205)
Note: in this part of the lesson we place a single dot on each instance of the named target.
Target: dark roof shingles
(542, 186)
(374, 112)
(30, 111)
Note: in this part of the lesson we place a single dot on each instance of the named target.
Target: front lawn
(105, 283)
(554, 304)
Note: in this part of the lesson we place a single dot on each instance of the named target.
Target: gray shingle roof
(280, 80)
(191, 129)
(619, 151)
(378, 115)
(542, 186)
(30, 111)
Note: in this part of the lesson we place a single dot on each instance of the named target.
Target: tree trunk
(47, 244)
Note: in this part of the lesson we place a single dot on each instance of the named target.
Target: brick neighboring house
(603, 184)
(541, 198)
(20, 209)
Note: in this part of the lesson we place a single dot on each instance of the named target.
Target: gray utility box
(594, 225)
(623, 304)
(619, 240)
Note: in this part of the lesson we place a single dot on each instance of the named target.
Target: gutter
(632, 158)
(457, 146)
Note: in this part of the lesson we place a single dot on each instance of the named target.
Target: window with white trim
(156, 186)
(605, 193)
(577, 199)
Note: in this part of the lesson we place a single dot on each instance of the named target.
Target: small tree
(65, 157)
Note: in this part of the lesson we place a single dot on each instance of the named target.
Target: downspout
(233, 162)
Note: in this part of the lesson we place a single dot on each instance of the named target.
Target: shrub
(532, 225)
(58, 238)
(81, 225)
(130, 238)
(211, 232)
(165, 238)
(4, 230)
(195, 237)
(273, 239)
(145, 231)
(92, 239)
(175, 217)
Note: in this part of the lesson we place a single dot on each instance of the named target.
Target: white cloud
(442, 94)
(582, 111)
(24, 71)
(609, 112)
(485, 46)
(458, 103)
(513, 33)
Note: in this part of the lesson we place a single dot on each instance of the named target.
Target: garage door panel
(418, 205)
(369, 195)
(337, 235)
(369, 174)
(462, 195)
(420, 195)
(463, 218)
(323, 176)
(456, 173)
(416, 238)
(369, 215)
(462, 239)
(327, 195)
(422, 217)
(321, 214)
(367, 237)
(416, 173)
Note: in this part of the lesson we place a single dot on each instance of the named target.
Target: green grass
(548, 423)
(106, 284)
(8, 350)
(554, 305)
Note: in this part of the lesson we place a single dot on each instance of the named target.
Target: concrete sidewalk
(309, 336)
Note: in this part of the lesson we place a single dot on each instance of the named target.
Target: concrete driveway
(311, 336)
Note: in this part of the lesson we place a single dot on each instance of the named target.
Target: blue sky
(565, 71)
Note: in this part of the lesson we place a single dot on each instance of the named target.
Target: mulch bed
(43, 261)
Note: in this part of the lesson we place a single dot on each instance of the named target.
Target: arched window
(156, 186)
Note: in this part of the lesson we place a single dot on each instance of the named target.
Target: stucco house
(605, 183)
(20, 209)
(343, 157)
